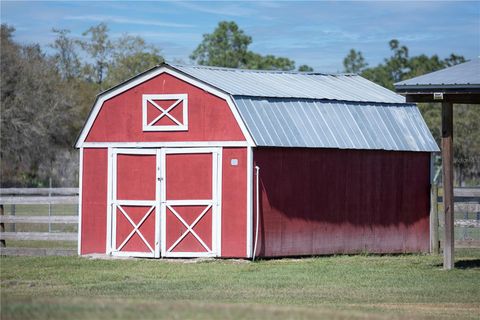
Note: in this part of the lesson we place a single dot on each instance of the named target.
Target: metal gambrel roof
(287, 122)
(292, 109)
(464, 75)
(284, 84)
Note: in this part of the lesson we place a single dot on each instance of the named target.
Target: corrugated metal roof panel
(287, 122)
(285, 84)
(464, 74)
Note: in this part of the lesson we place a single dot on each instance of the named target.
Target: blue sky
(316, 33)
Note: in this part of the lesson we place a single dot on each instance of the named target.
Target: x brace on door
(189, 228)
(136, 228)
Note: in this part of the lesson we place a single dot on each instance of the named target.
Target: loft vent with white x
(165, 112)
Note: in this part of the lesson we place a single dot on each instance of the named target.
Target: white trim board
(149, 75)
(169, 144)
(249, 244)
(80, 186)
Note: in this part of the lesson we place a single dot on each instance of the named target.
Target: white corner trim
(249, 211)
(108, 247)
(80, 186)
(219, 192)
(149, 75)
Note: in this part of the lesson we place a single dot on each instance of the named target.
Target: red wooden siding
(322, 201)
(120, 118)
(136, 176)
(94, 201)
(189, 176)
(234, 203)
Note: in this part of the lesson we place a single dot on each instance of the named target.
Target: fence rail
(39, 236)
(39, 191)
(39, 219)
(42, 197)
(39, 200)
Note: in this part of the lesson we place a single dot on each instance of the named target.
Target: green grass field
(336, 287)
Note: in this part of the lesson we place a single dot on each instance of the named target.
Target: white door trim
(215, 202)
(113, 202)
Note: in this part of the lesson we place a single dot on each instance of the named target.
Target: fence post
(465, 226)
(2, 228)
(49, 203)
(13, 212)
(434, 241)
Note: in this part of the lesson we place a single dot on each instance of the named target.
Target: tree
(131, 56)
(66, 57)
(454, 59)
(37, 114)
(305, 68)
(227, 47)
(99, 47)
(46, 98)
(269, 62)
(399, 66)
(354, 62)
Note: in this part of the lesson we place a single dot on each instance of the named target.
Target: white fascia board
(149, 75)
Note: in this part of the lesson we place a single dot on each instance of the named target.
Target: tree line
(45, 98)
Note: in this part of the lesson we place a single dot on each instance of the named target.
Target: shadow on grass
(467, 264)
(464, 264)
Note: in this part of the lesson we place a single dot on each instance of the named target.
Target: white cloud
(114, 19)
(217, 8)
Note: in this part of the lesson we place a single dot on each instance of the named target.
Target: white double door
(164, 202)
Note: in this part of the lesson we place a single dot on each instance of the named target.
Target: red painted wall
(120, 118)
(94, 201)
(322, 201)
(234, 203)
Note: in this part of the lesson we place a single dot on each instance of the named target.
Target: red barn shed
(170, 161)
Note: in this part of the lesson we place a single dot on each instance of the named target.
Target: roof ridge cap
(313, 73)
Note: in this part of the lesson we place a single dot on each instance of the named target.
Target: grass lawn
(336, 287)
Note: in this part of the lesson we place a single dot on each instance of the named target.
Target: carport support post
(447, 163)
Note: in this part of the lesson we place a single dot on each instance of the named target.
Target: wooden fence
(38, 197)
(467, 214)
(467, 217)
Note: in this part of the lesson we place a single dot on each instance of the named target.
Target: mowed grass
(336, 287)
